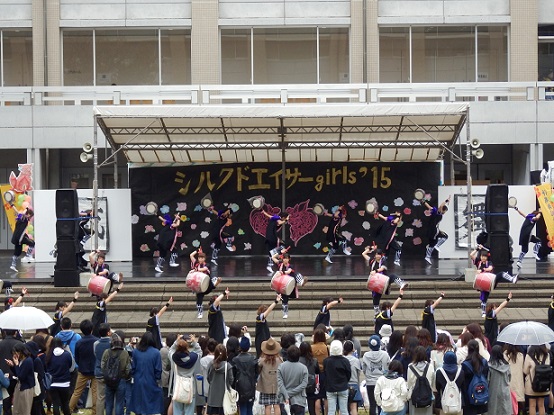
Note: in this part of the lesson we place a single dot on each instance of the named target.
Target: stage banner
(544, 197)
(181, 189)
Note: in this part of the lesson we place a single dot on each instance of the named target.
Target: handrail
(272, 94)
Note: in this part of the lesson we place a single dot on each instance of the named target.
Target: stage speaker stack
(66, 273)
(498, 227)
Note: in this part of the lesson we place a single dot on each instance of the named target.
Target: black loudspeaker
(496, 209)
(500, 245)
(67, 229)
(67, 204)
(66, 278)
(67, 255)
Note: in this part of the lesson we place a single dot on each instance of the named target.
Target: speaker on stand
(66, 273)
(498, 227)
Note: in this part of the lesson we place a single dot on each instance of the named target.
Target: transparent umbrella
(25, 318)
(526, 333)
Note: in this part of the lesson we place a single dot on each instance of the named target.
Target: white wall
(526, 202)
(119, 220)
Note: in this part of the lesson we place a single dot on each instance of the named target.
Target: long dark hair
(538, 352)
(56, 342)
(409, 350)
(473, 356)
(306, 351)
(146, 341)
(511, 351)
(395, 342)
(497, 355)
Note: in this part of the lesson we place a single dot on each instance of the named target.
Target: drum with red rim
(377, 282)
(98, 285)
(484, 281)
(197, 281)
(282, 283)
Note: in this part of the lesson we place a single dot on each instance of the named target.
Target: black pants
(60, 400)
(297, 409)
(18, 249)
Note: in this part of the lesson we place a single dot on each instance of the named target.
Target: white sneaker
(214, 261)
(397, 263)
(173, 264)
(429, 260)
(328, 259)
(515, 278)
(28, 259)
(404, 285)
(13, 268)
(199, 315)
(269, 268)
(158, 269)
(230, 248)
(483, 315)
(285, 315)
(346, 251)
(518, 264)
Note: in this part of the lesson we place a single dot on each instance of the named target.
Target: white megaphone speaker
(318, 209)
(419, 194)
(87, 147)
(256, 201)
(475, 143)
(85, 157)
(478, 153)
(9, 196)
(371, 206)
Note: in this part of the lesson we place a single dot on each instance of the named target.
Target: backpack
(112, 370)
(478, 388)
(451, 398)
(245, 383)
(310, 387)
(543, 376)
(388, 400)
(422, 395)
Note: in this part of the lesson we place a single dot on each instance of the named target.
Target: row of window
(270, 56)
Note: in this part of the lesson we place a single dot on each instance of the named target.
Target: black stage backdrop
(180, 189)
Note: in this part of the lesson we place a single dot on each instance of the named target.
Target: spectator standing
(374, 363)
(23, 368)
(314, 394)
(7, 344)
(85, 361)
(453, 371)
(499, 383)
(292, 379)
(536, 399)
(220, 377)
(393, 382)
(514, 357)
(354, 398)
(246, 371)
(473, 364)
(60, 364)
(115, 395)
(268, 363)
(336, 385)
(100, 346)
(421, 365)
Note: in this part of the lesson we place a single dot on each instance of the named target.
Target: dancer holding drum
(100, 314)
(286, 281)
(101, 269)
(525, 234)
(153, 324)
(218, 233)
(387, 235)
(273, 242)
(262, 328)
(334, 234)
(199, 279)
(387, 311)
(378, 281)
(486, 280)
(435, 235)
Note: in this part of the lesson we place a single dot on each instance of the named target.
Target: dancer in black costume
(435, 235)
(525, 235)
(273, 242)
(334, 233)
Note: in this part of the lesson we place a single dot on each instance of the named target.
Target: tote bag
(230, 398)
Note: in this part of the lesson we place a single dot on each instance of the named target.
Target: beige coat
(529, 371)
(517, 384)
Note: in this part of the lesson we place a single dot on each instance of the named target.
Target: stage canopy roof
(175, 134)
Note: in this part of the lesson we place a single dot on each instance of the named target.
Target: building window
(285, 56)
(17, 57)
(443, 54)
(127, 57)
(175, 52)
(546, 52)
(236, 56)
(78, 62)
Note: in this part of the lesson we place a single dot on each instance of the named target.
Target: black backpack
(112, 370)
(422, 395)
(543, 376)
(245, 382)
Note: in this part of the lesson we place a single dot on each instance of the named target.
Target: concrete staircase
(130, 310)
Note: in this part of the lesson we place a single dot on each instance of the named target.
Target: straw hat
(271, 347)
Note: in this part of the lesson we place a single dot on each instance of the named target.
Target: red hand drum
(197, 281)
(282, 283)
(98, 285)
(484, 281)
(377, 282)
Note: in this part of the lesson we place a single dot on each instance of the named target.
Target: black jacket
(339, 366)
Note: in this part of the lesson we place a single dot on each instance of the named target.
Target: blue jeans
(402, 412)
(117, 394)
(246, 407)
(180, 408)
(340, 397)
(128, 390)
